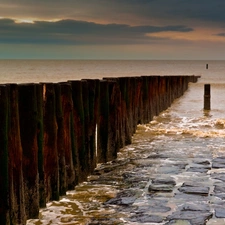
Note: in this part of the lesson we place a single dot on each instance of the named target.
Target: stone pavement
(174, 181)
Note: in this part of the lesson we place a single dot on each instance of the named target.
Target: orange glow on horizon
(200, 34)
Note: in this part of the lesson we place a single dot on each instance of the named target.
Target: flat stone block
(220, 212)
(192, 188)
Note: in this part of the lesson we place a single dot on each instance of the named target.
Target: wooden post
(207, 97)
(28, 134)
(207, 66)
(16, 184)
(70, 154)
(60, 140)
(103, 122)
(4, 180)
(40, 143)
(51, 167)
(78, 129)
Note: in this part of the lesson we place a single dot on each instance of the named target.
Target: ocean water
(25, 71)
(183, 132)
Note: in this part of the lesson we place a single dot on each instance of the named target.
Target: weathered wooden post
(51, 167)
(28, 134)
(207, 97)
(16, 185)
(40, 143)
(78, 129)
(60, 140)
(93, 92)
(71, 158)
(4, 179)
(103, 122)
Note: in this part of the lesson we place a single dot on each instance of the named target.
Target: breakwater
(54, 134)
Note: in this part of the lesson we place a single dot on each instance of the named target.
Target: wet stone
(167, 181)
(218, 163)
(190, 197)
(170, 169)
(198, 169)
(220, 212)
(145, 218)
(201, 161)
(162, 184)
(158, 208)
(219, 189)
(195, 217)
(178, 222)
(220, 195)
(218, 176)
(192, 188)
(195, 207)
(157, 156)
(121, 201)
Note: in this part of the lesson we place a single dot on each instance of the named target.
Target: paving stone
(218, 176)
(218, 162)
(195, 207)
(160, 187)
(201, 161)
(195, 217)
(178, 222)
(220, 195)
(220, 212)
(152, 208)
(192, 188)
(170, 169)
(198, 169)
(190, 197)
(219, 189)
(167, 180)
(145, 218)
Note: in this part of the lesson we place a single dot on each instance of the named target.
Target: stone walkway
(174, 181)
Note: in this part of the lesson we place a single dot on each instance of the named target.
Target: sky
(112, 29)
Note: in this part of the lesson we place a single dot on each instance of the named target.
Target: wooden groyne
(52, 135)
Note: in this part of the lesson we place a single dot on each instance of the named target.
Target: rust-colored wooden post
(28, 134)
(60, 140)
(51, 166)
(16, 183)
(78, 128)
(4, 178)
(93, 92)
(103, 122)
(113, 139)
(40, 143)
(71, 158)
(85, 99)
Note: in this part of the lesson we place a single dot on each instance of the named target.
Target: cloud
(221, 34)
(80, 32)
(149, 12)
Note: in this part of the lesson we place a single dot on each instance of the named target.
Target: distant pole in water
(207, 66)
(207, 97)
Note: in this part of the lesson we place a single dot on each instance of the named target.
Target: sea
(184, 132)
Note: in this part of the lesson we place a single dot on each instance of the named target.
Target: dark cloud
(221, 34)
(79, 32)
(147, 11)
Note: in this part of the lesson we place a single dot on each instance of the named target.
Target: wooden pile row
(52, 135)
